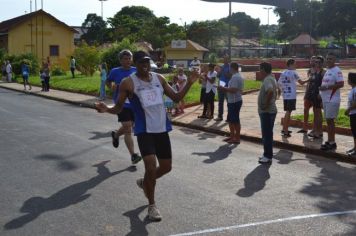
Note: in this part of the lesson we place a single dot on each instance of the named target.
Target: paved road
(59, 175)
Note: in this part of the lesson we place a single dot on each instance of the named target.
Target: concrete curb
(250, 138)
(279, 144)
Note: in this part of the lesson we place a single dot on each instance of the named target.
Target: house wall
(37, 35)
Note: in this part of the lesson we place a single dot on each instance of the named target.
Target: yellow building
(39, 33)
(182, 52)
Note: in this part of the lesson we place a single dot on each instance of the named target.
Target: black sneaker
(135, 158)
(115, 140)
(328, 147)
(285, 134)
(219, 118)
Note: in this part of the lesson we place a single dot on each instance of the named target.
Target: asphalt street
(59, 175)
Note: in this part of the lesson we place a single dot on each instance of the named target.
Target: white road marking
(207, 231)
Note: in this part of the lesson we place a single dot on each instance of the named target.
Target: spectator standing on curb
(313, 99)
(224, 76)
(351, 111)
(195, 64)
(103, 68)
(234, 103)
(8, 72)
(288, 84)
(46, 76)
(72, 66)
(182, 81)
(210, 92)
(25, 71)
(145, 90)
(267, 110)
(307, 103)
(330, 95)
(3, 71)
(126, 116)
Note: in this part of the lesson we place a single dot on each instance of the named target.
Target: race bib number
(151, 97)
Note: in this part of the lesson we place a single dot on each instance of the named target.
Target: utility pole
(102, 6)
(267, 8)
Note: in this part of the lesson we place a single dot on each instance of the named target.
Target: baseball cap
(140, 56)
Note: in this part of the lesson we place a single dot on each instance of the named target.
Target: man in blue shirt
(126, 116)
(224, 76)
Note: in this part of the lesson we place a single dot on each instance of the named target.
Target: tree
(111, 55)
(337, 17)
(87, 58)
(305, 17)
(129, 21)
(247, 26)
(207, 32)
(96, 29)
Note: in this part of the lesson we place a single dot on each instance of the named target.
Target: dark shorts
(233, 112)
(289, 105)
(313, 102)
(157, 144)
(353, 125)
(126, 115)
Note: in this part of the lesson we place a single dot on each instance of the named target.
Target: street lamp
(102, 3)
(267, 8)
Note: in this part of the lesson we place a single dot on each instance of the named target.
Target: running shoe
(135, 158)
(115, 140)
(153, 213)
(265, 160)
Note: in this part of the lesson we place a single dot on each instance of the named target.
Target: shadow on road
(62, 163)
(66, 197)
(336, 189)
(255, 181)
(138, 226)
(99, 135)
(284, 157)
(220, 154)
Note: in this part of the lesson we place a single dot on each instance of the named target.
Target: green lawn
(90, 85)
(342, 120)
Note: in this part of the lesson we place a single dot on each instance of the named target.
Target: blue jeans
(221, 98)
(267, 123)
(102, 89)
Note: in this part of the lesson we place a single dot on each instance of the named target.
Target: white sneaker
(265, 160)
(153, 213)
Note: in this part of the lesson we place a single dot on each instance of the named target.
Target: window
(54, 50)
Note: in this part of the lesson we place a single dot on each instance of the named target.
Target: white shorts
(331, 110)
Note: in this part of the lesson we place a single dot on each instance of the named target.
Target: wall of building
(37, 35)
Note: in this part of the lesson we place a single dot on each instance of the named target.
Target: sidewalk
(250, 124)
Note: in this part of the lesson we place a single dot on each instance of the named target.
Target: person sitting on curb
(145, 90)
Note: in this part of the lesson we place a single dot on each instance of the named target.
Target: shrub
(87, 58)
(57, 71)
(17, 60)
(111, 55)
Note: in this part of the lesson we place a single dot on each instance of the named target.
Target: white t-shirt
(211, 86)
(331, 77)
(352, 99)
(288, 83)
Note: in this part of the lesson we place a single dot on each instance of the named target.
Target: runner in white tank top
(145, 91)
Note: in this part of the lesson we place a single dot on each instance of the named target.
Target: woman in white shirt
(210, 92)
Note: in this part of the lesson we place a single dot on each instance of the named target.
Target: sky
(74, 12)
